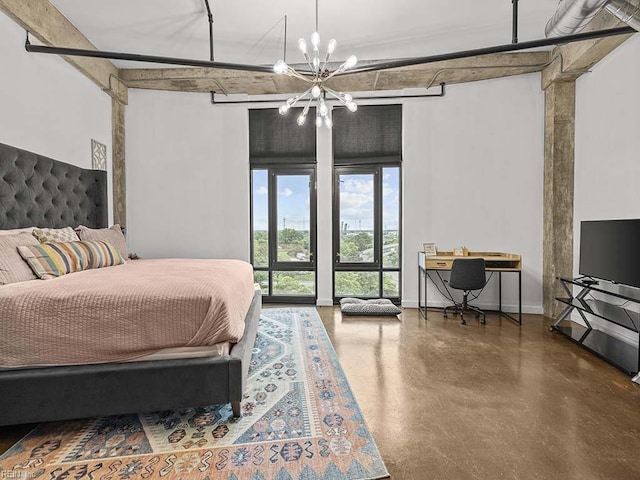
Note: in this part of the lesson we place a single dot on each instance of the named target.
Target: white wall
(607, 166)
(473, 164)
(49, 107)
(473, 176)
(187, 176)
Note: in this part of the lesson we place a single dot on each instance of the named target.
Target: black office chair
(467, 275)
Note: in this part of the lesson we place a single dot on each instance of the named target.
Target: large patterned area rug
(300, 422)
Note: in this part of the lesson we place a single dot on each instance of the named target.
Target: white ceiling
(253, 31)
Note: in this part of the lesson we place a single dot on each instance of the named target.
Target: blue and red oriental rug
(300, 422)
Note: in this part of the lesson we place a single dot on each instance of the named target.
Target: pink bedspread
(123, 312)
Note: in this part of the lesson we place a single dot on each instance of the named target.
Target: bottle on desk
(465, 252)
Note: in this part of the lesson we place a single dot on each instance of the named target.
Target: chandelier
(318, 75)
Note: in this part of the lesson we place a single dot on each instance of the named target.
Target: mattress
(125, 312)
(181, 353)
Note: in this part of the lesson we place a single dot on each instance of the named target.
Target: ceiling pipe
(373, 66)
(625, 11)
(572, 16)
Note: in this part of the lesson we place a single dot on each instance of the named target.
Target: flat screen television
(610, 250)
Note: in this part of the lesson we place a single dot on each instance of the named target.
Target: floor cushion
(376, 306)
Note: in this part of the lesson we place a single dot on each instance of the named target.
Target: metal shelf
(614, 350)
(606, 311)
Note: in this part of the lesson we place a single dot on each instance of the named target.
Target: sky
(356, 200)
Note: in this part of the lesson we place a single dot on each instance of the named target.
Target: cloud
(354, 200)
(285, 192)
(358, 186)
(262, 190)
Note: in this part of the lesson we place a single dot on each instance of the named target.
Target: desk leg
(422, 290)
(500, 292)
(503, 313)
(520, 296)
(425, 285)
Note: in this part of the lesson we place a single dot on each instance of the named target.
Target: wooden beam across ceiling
(418, 76)
(572, 60)
(48, 25)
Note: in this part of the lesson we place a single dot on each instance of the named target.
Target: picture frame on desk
(430, 249)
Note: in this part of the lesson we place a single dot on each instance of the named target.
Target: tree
(362, 240)
(288, 284)
(260, 248)
(358, 284)
(349, 251)
(290, 236)
(389, 286)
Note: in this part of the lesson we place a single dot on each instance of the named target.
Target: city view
(293, 239)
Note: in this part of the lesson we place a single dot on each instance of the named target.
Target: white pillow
(15, 231)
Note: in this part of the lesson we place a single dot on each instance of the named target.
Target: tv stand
(619, 353)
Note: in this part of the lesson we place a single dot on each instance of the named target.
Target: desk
(494, 261)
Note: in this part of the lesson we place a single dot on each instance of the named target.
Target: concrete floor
(446, 401)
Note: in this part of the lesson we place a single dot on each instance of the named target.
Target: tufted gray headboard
(39, 191)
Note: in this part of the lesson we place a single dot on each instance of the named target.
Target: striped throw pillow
(56, 259)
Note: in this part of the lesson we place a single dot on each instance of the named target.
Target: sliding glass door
(284, 233)
(366, 246)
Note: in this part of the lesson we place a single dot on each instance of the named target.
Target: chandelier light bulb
(316, 77)
(315, 40)
(332, 46)
(280, 67)
(302, 45)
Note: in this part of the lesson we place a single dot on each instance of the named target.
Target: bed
(39, 191)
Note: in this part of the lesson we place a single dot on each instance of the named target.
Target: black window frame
(378, 264)
(273, 170)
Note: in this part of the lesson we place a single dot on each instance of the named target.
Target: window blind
(278, 139)
(373, 134)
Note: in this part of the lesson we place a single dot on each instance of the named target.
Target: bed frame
(39, 191)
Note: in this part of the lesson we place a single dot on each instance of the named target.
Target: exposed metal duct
(572, 16)
(625, 11)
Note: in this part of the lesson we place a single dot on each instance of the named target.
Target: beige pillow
(12, 268)
(112, 235)
(48, 235)
(16, 231)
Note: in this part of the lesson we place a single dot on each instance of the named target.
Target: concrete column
(558, 190)
(118, 163)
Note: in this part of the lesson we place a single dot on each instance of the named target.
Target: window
(366, 211)
(367, 231)
(283, 207)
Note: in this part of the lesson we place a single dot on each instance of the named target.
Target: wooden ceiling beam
(417, 76)
(572, 60)
(48, 25)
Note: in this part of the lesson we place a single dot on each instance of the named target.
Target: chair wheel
(462, 320)
(483, 321)
(445, 315)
